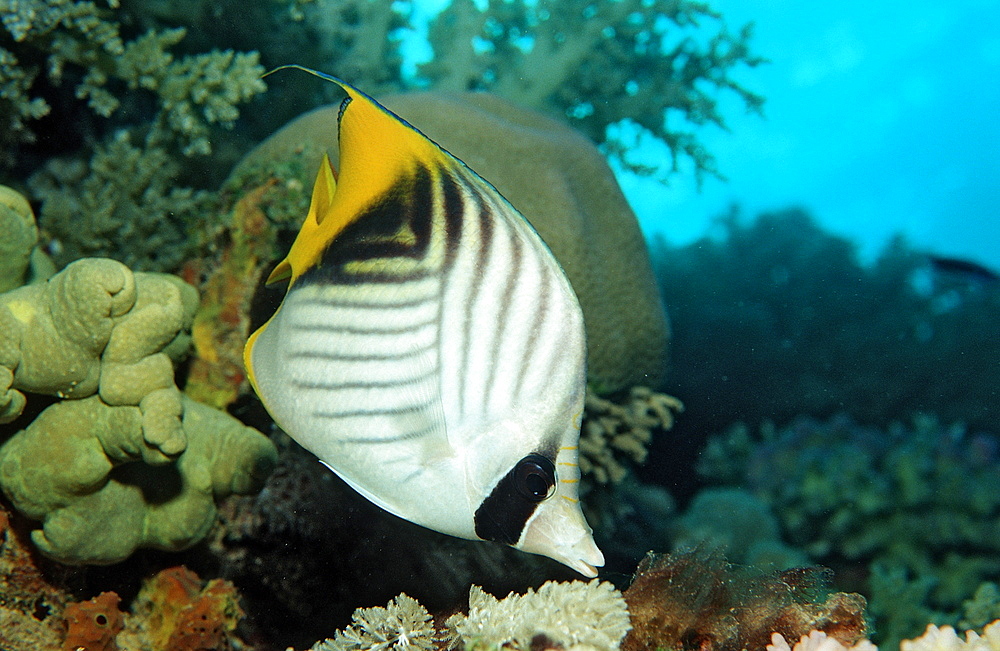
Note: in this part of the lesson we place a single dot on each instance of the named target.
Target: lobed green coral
(83, 469)
(120, 460)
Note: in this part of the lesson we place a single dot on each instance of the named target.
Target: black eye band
(503, 514)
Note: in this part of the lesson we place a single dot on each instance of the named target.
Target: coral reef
(915, 506)
(695, 600)
(613, 436)
(740, 524)
(121, 461)
(558, 615)
(562, 184)
(21, 259)
(31, 600)
(191, 93)
(178, 611)
(945, 639)
(286, 544)
(94, 624)
(569, 615)
(594, 64)
(817, 641)
(123, 203)
(779, 304)
(403, 623)
(98, 328)
(85, 470)
(101, 194)
(222, 322)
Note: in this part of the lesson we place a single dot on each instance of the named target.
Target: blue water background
(881, 117)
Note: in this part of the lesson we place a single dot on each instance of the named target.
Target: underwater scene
(357, 325)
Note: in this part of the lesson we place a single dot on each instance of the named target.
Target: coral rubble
(695, 600)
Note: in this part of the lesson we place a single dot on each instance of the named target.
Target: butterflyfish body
(429, 348)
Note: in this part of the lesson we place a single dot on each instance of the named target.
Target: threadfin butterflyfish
(429, 348)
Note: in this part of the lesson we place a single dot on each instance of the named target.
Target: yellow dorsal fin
(378, 149)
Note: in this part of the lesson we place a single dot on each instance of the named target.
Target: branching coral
(192, 93)
(570, 615)
(614, 435)
(127, 202)
(946, 639)
(123, 204)
(402, 624)
(597, 63)
(559, 615)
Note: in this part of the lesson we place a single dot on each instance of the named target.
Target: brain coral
(562, 184)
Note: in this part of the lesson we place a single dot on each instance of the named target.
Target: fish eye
(535, 477)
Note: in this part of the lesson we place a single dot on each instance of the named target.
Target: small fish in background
(957, 268)
(429, 348)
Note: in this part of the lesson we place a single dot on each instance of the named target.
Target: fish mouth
(558, 530)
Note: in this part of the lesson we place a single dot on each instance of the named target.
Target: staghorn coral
(564, 187)
(402, 624)
(590, 615)
(595, 64)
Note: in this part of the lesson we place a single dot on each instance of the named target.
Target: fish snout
(559, 530)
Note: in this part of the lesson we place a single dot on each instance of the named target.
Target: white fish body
(429, 349)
